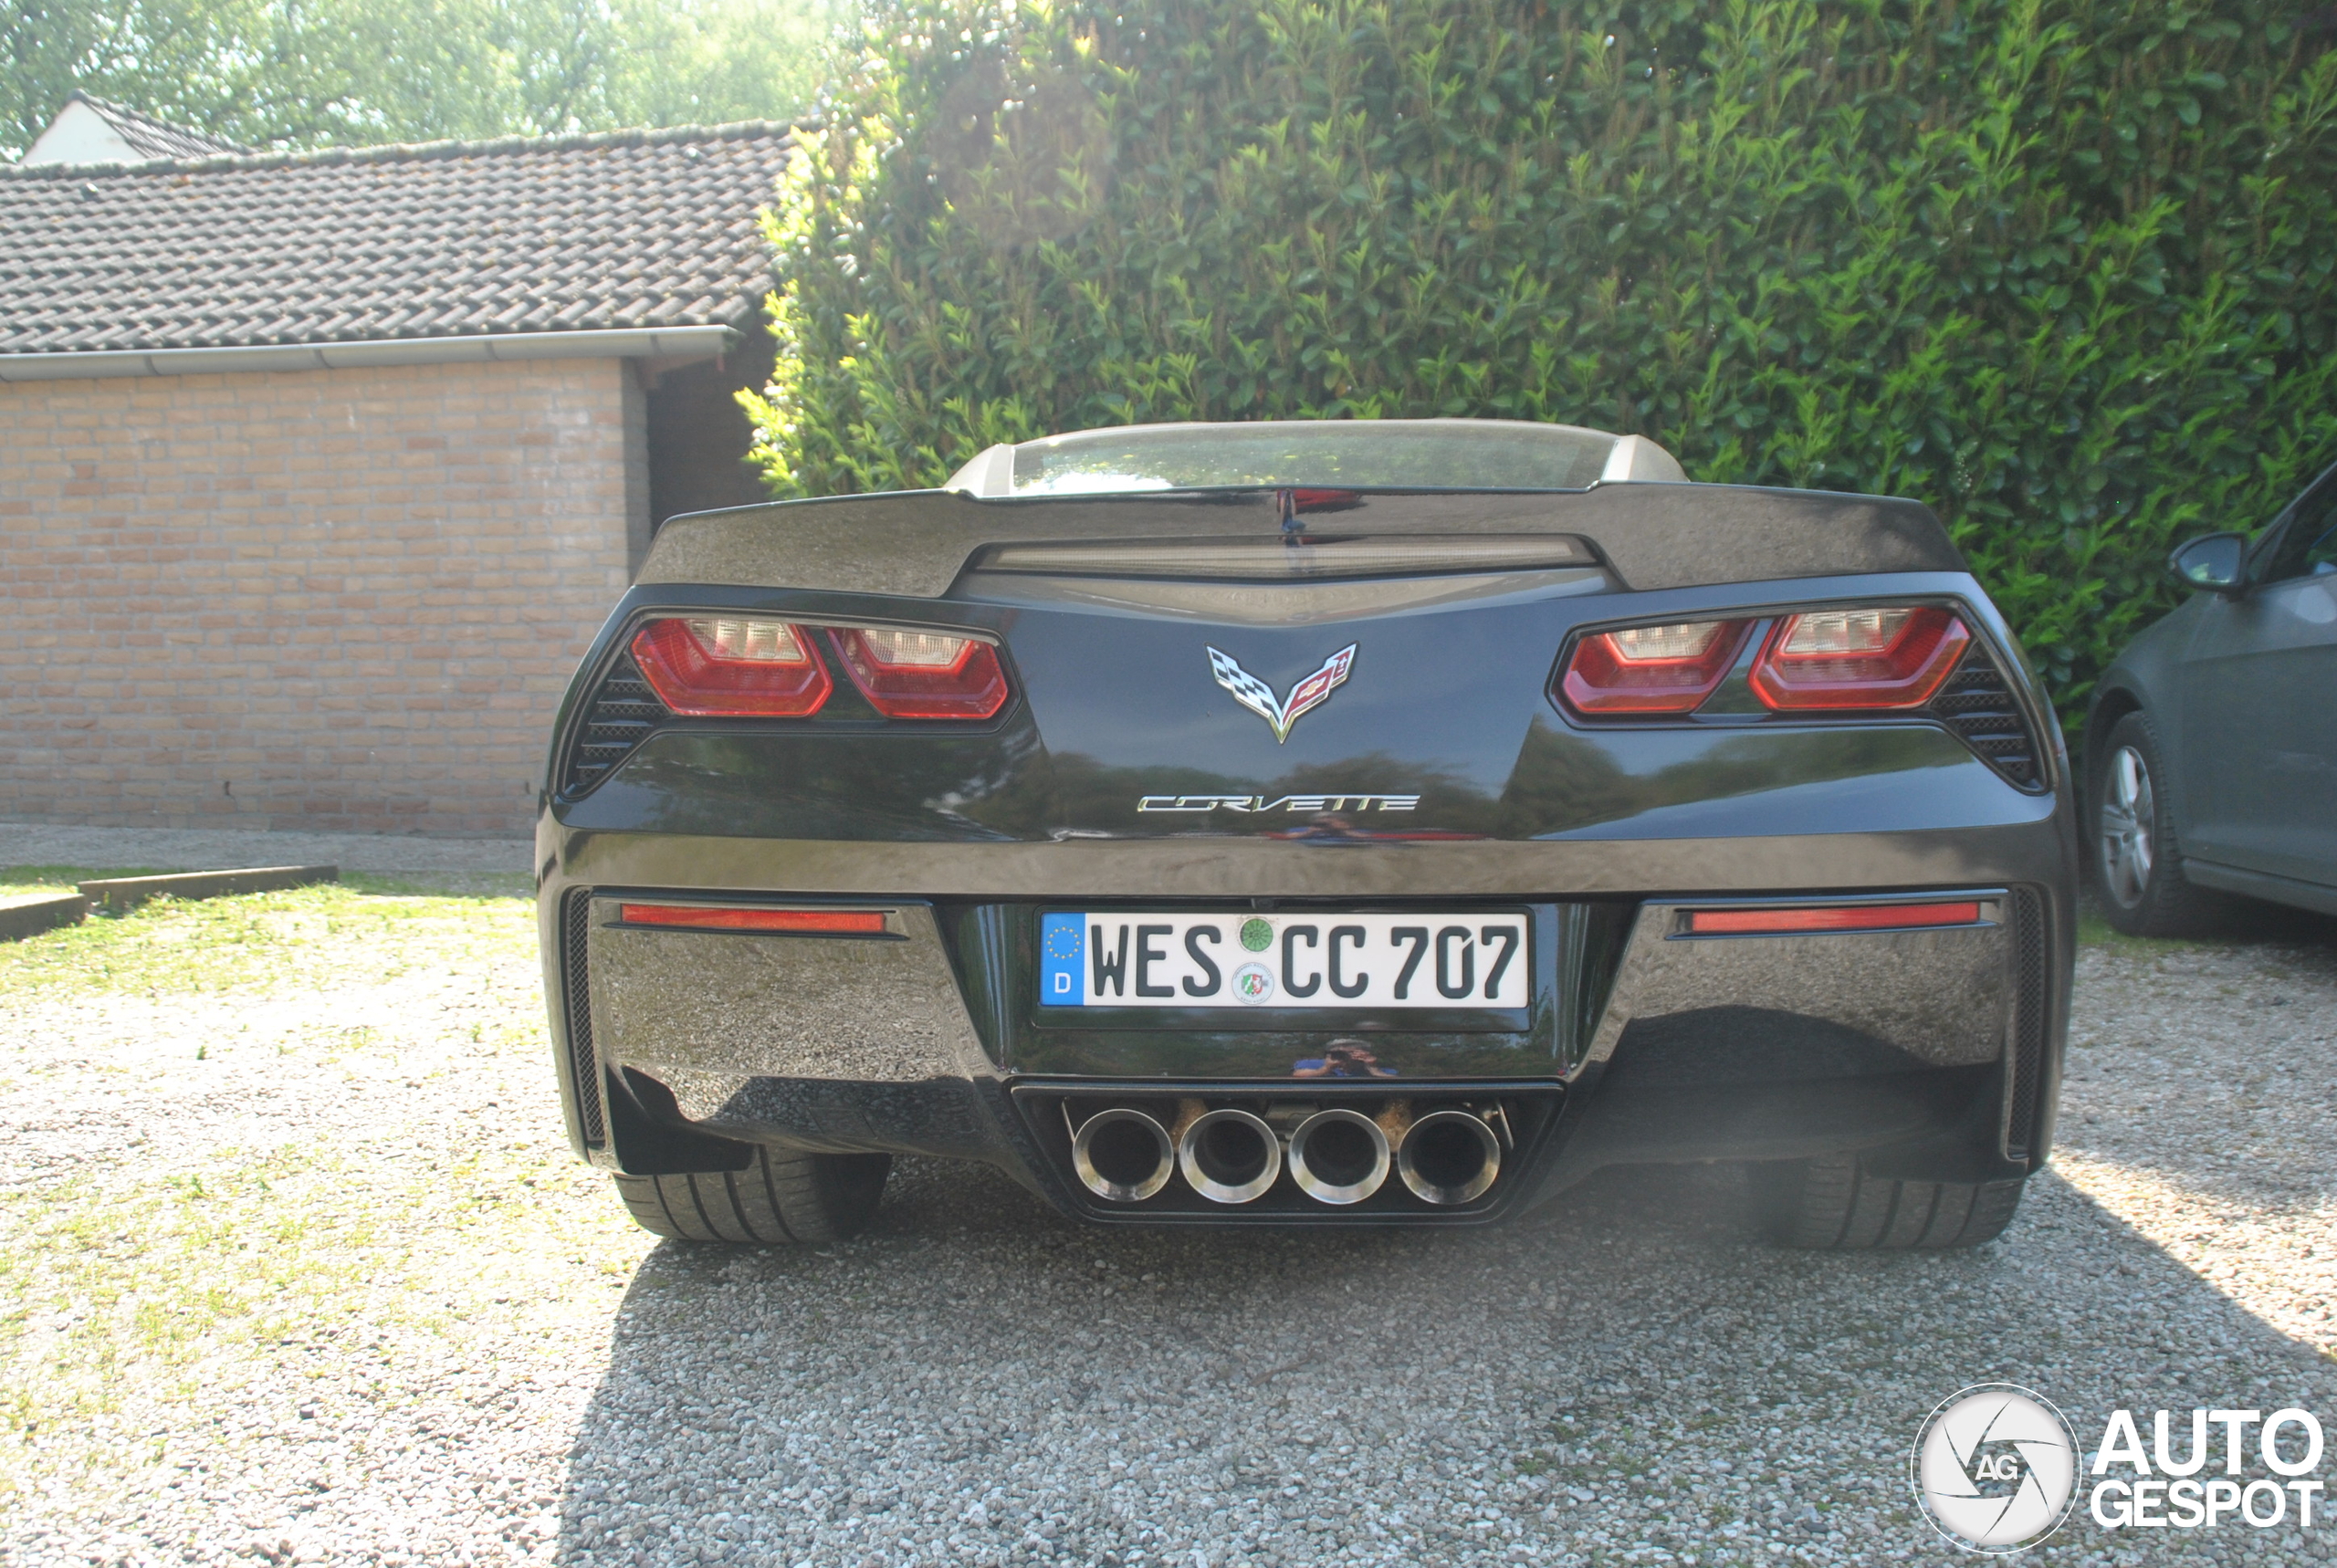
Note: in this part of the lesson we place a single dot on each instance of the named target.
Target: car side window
(2308, 545)
(2320, 555)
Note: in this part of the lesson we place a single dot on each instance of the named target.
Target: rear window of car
(1471, 454)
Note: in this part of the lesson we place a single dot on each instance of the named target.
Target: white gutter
(672, 343)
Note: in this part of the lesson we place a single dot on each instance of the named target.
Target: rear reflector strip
(1837, 917)
(815, 922)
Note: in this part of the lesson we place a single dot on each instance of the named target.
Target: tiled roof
(643, 228)
(151, 138)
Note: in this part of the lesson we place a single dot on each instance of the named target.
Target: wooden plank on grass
(30, 913)
(120, 893)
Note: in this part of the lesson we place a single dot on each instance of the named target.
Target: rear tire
(776, 1201)
(2137, 865)
(1831, 1204)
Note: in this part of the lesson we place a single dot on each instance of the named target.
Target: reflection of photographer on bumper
(1325, 827)
(1343, 1058)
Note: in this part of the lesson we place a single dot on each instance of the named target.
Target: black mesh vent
(583, 1061)
(622, 711)
(2028, 1046)
(1978, 704)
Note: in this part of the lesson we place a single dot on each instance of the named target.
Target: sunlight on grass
(203, 1270)
(363, 929)
(163, 1269)
(61, 878)
(182, 1286)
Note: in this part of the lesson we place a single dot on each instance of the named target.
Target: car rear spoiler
(914, 543)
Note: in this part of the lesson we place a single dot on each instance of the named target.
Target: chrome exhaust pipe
(1228, 1156)
(1122, 1155)
(1448, 1157)
(1338, 1156)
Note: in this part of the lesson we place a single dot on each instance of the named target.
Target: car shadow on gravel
(977, 1380)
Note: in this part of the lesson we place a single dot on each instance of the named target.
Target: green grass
(475, 884)
(130, 1289)
(16, 879)
(360, 929)
(167, 1270)
(142, 1287)
(2093, 931)
(2244, 923)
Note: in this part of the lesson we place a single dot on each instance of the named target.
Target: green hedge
(2062, 270)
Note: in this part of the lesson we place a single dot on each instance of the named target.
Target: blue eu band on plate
(1310, 959)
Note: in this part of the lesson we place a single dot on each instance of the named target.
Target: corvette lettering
(1255, 804)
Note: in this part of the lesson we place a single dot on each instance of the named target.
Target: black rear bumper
(1936, 1051)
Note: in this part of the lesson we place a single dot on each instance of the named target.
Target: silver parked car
(2212, 742)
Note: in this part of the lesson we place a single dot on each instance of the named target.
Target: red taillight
(1834, 917)
(1877, 658)
(1650, 669)
(922, 674)
(731, 666)
(737, 666)
(812, 922)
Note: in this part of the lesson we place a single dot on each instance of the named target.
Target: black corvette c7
(1342, 822)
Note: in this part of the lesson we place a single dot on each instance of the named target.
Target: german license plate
(1380, 962)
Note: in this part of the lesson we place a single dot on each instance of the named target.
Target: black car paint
(983, 823)
(914, 544)
(2240, 689)
(1454, 706)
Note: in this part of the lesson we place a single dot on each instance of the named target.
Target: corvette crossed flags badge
(1259, 697)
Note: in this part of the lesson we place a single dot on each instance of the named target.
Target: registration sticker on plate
(1283, 960)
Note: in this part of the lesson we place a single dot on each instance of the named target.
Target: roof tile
(152, 138)
(583, 233)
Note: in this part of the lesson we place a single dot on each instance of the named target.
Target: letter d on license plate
(1284, 960)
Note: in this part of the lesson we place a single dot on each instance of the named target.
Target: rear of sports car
(1332, 824)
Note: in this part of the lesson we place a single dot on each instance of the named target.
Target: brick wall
(330, 599)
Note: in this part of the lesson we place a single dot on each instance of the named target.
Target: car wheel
(777, 1200)
(2137, 872)
(1831, 1204)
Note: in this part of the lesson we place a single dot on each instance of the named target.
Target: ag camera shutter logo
(1995, 1468)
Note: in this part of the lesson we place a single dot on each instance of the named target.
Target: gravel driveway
(296, 1269)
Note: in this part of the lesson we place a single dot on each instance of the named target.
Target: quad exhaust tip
(1228, 1156)
(1448, 1157)
(1122, 1156)
(1336, 1156)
